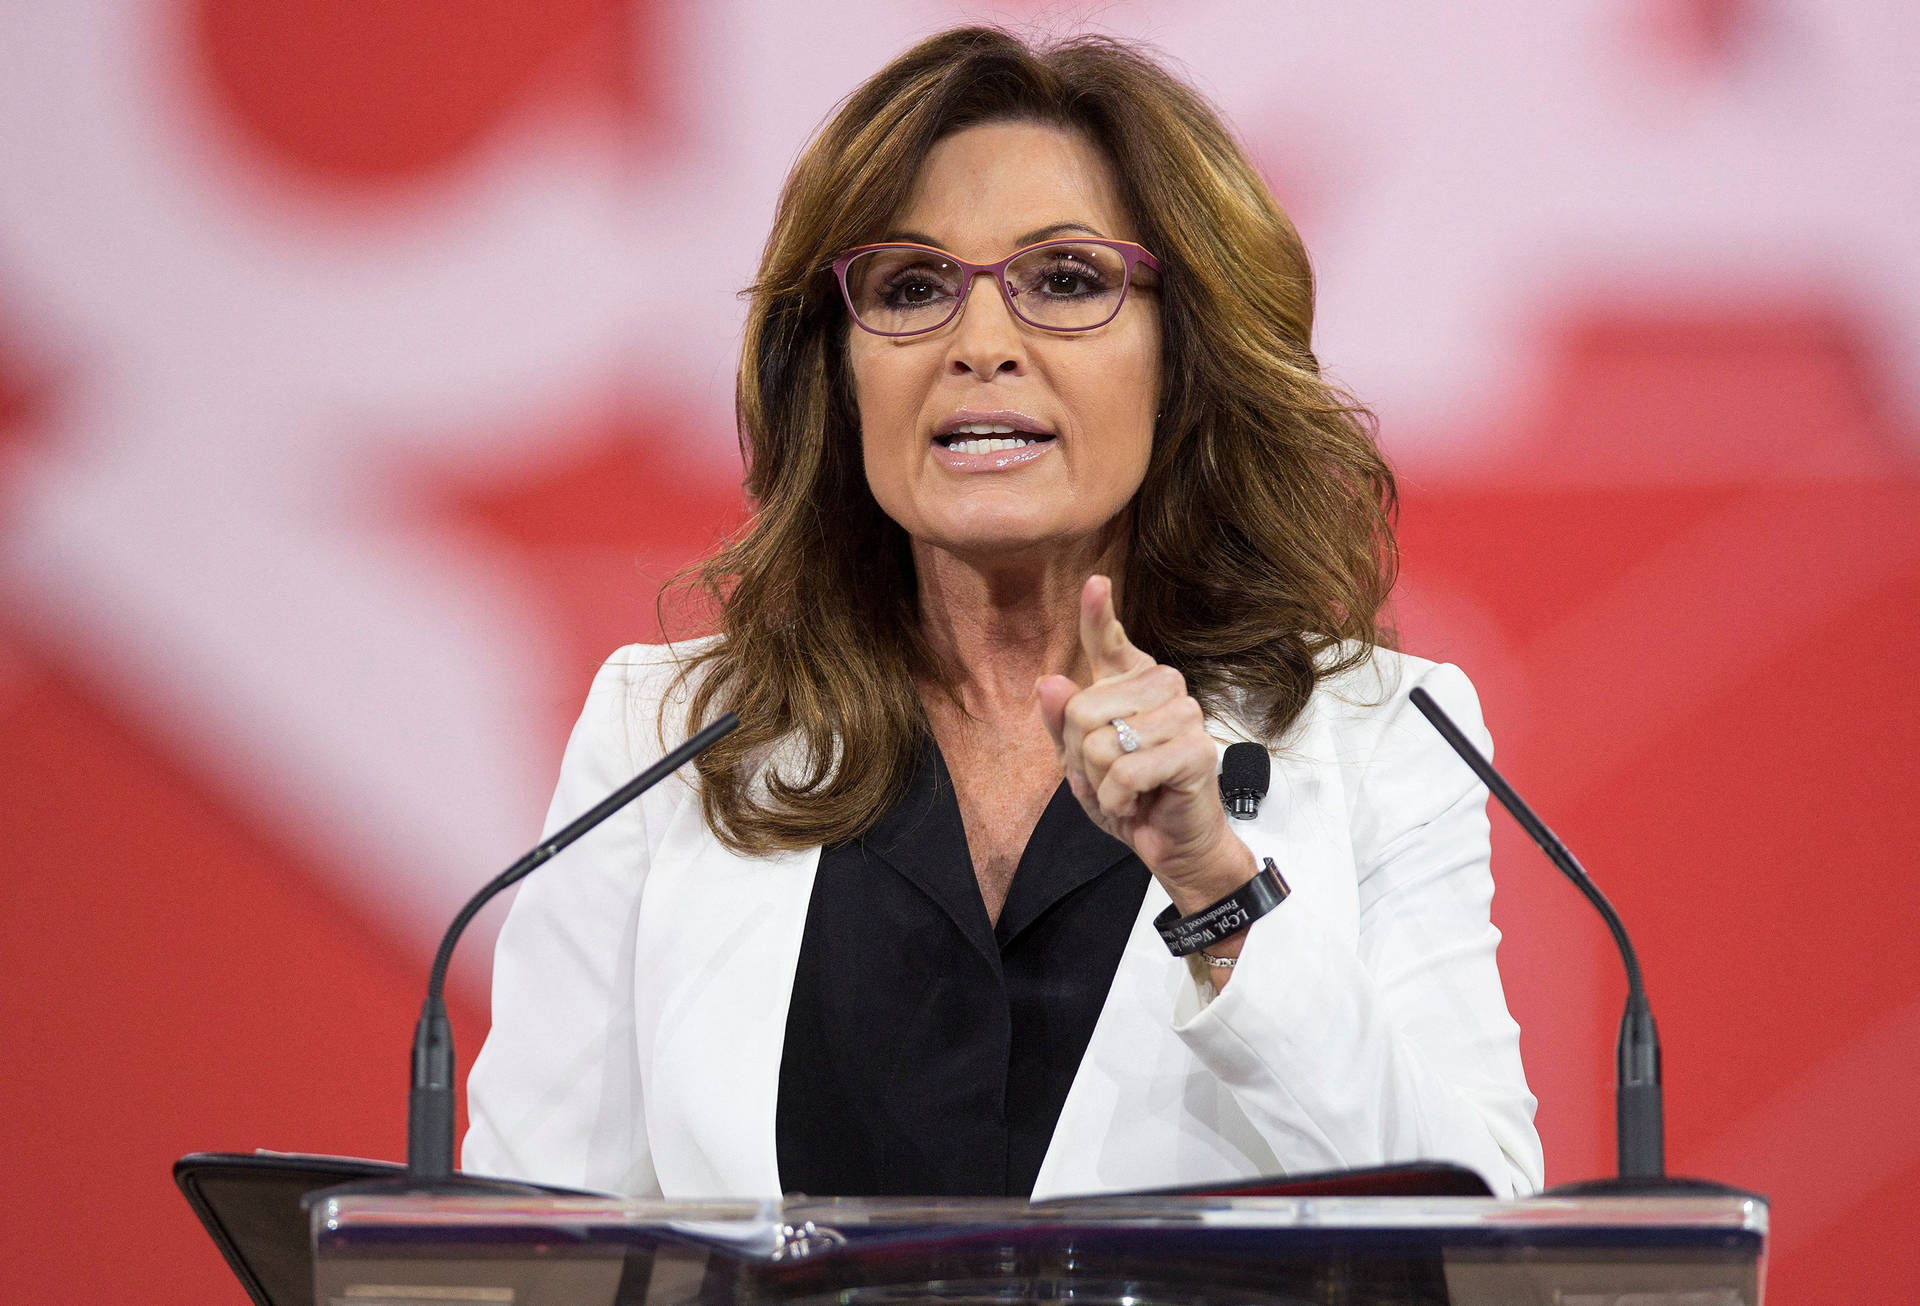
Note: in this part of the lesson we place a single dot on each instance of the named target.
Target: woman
(1052, 503)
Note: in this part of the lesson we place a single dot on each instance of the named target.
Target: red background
(1662, 509)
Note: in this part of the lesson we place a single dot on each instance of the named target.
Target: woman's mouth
(990, 440)
(988, 446)
(988, 437)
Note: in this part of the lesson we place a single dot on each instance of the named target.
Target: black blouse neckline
(929, 1052)
(923, 837)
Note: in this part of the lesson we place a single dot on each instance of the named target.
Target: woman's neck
(997, 627)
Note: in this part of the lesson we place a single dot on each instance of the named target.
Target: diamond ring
(1129, 741)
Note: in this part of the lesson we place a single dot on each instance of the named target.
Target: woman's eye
(1069, 279)
(911, 291)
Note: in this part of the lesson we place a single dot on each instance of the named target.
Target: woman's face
(1085, 401)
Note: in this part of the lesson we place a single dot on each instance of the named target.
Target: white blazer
(641, 982)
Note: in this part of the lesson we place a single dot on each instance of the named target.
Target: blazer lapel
(719, 938)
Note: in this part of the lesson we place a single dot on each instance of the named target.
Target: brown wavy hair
(1262, 551)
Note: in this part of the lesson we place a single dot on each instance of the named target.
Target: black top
(927, 1052)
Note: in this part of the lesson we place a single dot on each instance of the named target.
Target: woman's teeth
(995, 439)
(987, 446)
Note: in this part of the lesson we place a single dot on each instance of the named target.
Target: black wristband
(1186, 935)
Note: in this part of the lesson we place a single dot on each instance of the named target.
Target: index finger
(1109, 651)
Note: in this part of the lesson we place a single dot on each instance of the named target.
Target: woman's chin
(1009, 543)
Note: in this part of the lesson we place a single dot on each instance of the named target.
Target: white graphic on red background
(275, 369)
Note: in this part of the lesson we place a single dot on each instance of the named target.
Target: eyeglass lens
(1062, 287)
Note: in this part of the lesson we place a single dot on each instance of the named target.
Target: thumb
(1053, 692)
(1109, 651)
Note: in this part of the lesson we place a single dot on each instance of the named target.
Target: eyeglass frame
(1132, 254)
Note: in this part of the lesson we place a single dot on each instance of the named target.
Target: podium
(1339, 1251)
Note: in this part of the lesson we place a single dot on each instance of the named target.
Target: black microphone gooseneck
(430, 1101)
(1639, 1116)
(1638, 1112)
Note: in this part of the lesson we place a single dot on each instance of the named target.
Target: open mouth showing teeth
(988, 437)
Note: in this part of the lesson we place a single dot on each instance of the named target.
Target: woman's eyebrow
(1057, 229)
(1033, 237)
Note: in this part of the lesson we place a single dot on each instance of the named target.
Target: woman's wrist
(1206, 880)
(1225, 919)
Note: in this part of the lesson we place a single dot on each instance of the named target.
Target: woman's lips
(997, 461)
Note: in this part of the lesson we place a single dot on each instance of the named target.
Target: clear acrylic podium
(1343, 1251)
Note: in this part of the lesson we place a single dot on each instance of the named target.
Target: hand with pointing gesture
(1162, 797)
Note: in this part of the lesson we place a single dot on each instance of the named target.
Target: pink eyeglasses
(1056, 285)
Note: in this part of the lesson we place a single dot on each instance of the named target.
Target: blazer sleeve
(1399, 1046)
(555, 1096)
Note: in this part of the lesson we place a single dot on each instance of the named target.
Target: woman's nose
(987, 339)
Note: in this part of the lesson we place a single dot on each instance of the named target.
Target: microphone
(430, 1104)
(1245, 773)
(1639, 1112)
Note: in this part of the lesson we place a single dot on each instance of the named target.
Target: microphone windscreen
(1246, 769)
